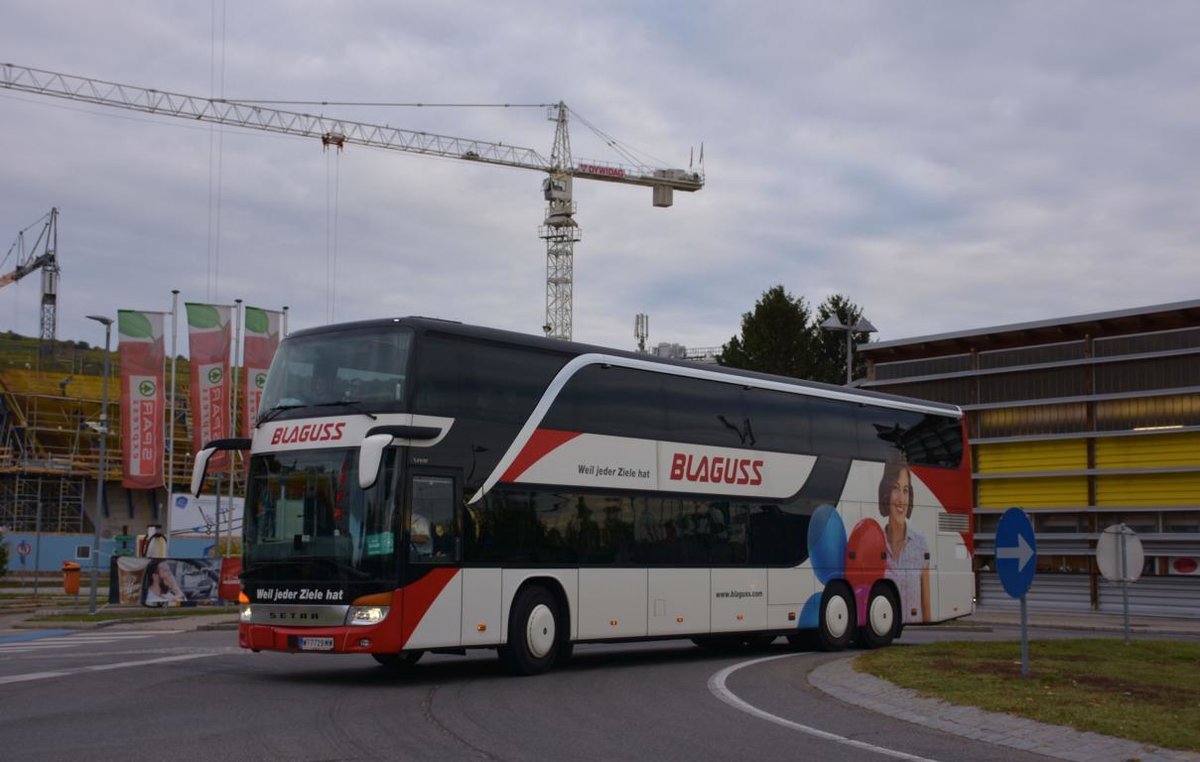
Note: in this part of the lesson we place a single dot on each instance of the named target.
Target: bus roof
(573, 349)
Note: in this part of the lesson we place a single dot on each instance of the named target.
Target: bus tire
(835, 629)
(883, 611)
(401, 662)
(534, 632)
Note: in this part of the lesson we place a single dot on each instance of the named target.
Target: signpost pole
(1016, 565)
(1120, 556)
(37, 548)
(1024, 639)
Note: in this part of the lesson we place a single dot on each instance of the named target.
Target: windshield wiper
(339, 566)
(273, 413)
(355, 404)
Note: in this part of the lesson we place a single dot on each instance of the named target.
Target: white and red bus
(420, 485)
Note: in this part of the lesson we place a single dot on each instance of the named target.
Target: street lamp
(862, 325)
(107, 323)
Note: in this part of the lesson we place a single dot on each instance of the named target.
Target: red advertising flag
(262, 339)
(141, 354)
(209, 341)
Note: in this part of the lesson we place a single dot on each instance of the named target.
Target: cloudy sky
(945, 165)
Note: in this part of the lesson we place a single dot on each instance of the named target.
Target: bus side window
(432, 531)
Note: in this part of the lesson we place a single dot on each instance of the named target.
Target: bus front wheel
(401, 662)
(533, 632)
(836, 628)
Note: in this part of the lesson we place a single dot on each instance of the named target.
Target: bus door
(432, 604)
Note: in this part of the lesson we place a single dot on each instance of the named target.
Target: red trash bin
(70, 571)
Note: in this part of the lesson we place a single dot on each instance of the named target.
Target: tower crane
(559, 229)
(43, 255)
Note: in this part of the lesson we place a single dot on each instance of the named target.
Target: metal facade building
(1084, 422)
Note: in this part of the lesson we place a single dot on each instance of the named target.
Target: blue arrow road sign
(1016, 552)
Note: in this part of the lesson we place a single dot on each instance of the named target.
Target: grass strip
(1146, 691)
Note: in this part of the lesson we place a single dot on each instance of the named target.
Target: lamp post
(107, 323)
(862, 325)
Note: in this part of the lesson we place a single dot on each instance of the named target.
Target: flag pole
(237, 342)
(171, 415)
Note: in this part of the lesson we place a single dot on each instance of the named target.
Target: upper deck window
(366, 366)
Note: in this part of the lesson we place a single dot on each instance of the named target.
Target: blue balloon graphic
(827, 543)
(810, 614)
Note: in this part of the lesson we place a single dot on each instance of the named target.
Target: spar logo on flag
(143, 426)
(213, 406)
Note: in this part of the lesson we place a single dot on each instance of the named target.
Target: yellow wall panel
(1011, 457)
(1056, 490)
(1151, 451)
(1148, 489)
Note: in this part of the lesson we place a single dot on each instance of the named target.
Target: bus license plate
(316, 644)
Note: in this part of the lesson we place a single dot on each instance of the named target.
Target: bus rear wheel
(882, 613)
(401, 662)
(534, 632)
(835, 630)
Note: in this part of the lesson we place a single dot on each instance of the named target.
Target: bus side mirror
(199, 467)
(202, 458)
(370, 456)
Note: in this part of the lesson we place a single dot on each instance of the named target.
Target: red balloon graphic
(865, 554)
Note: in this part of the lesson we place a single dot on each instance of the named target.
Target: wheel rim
(881, 615)
(539, 630)
(837, 616)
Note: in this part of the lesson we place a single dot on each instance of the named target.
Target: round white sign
(1108, 553)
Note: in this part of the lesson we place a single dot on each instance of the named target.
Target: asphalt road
(150, 694)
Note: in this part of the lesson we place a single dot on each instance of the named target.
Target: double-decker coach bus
(420, 485)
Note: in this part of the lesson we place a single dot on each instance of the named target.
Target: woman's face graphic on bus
(901, 496)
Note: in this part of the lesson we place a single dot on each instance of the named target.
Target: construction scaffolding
(50, 433)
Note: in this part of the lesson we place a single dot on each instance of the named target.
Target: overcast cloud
(945, 165)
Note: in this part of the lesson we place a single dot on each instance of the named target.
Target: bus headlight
(245, 613)
(366, 615)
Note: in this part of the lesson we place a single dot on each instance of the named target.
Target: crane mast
(42, 255)
(559, 229)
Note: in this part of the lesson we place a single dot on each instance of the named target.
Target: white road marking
(716, 685)
(59, 642)
(31, 676)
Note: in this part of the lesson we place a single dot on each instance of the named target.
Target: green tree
(782, 336)
(829, 363)
(776, 337)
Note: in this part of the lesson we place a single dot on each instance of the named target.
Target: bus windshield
(361, 366)
(304, 507)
